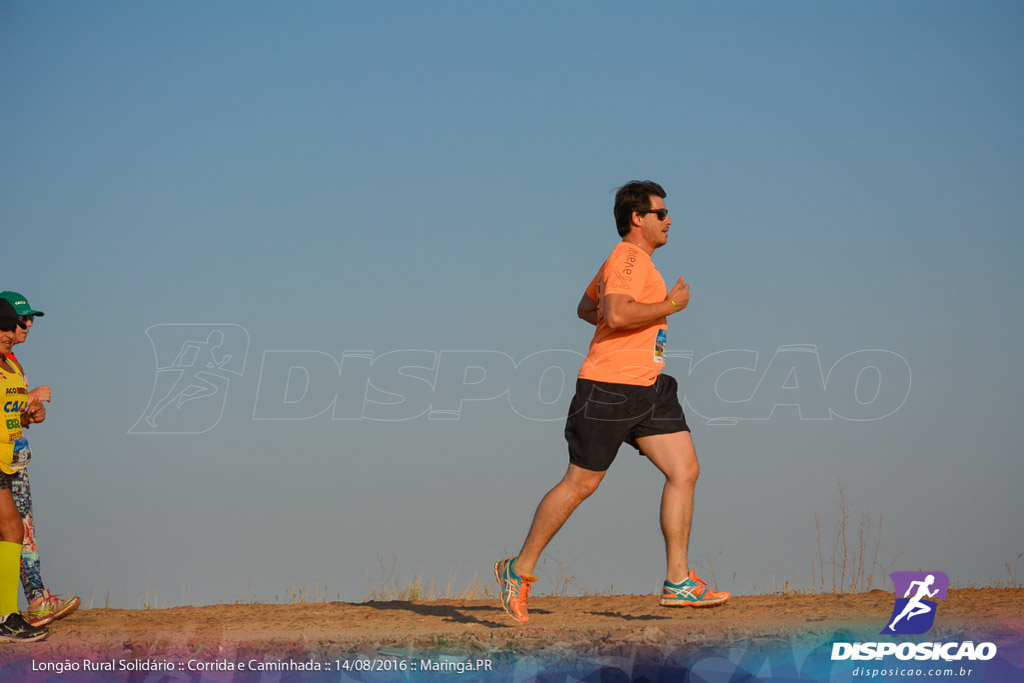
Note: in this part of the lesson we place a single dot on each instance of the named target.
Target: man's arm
(587, 309)
(623, 312)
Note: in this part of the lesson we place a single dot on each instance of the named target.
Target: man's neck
(639, 241)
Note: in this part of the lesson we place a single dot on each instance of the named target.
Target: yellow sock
(10, 576)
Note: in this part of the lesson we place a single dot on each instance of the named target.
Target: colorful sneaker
(693, 592)
(514, 589)
(50, 608)
(14, 629)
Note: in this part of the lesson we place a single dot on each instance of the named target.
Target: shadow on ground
(630, 617)
(449, 613)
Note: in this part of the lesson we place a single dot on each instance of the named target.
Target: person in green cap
(44, 607)
(14, 454)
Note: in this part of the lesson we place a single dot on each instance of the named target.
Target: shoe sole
(692, 603)
(39, 623)
(31, 639)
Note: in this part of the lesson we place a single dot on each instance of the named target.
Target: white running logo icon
(916, 606)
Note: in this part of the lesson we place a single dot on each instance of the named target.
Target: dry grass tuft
(388, 588)
(853, 561)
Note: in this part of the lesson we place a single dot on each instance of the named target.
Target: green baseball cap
(20, 303)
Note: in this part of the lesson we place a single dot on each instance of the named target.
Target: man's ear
(636, 220)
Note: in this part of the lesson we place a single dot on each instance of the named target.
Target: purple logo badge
(914, 612)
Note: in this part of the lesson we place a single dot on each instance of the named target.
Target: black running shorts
(603, 416)
(6, 480)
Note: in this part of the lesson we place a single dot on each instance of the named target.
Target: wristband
(674, 307)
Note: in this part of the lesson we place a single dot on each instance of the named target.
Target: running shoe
(50, 608)
(514, 589)
(693, 592)
(14, 629)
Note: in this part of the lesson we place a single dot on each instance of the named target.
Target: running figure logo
(194, 365)
(914, 613)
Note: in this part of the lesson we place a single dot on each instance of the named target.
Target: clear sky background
(338, 177)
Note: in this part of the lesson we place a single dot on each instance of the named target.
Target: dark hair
(8, 316)
(634, 196)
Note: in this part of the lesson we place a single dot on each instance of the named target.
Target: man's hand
(680, 294)
(39, 394)
(34, 413)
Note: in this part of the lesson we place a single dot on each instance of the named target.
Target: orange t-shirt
(633, 356)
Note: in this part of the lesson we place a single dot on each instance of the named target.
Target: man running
(44, 607)
(621, 396)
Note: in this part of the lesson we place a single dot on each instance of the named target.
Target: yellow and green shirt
(14, 450)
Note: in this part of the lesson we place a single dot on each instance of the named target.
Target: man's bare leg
(553, 511)
(676, 457)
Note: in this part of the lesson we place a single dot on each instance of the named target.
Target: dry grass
(854, 561)
(388, 588)
(564, 582)
(1012, 572)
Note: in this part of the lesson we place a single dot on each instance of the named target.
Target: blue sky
(388, 177)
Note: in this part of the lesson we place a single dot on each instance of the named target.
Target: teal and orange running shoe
(693, 592)
(514, 589)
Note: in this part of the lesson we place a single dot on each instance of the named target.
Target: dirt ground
(595, 626)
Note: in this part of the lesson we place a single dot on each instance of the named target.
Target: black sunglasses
(10, 326)
(662, 213)
(26, 318)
